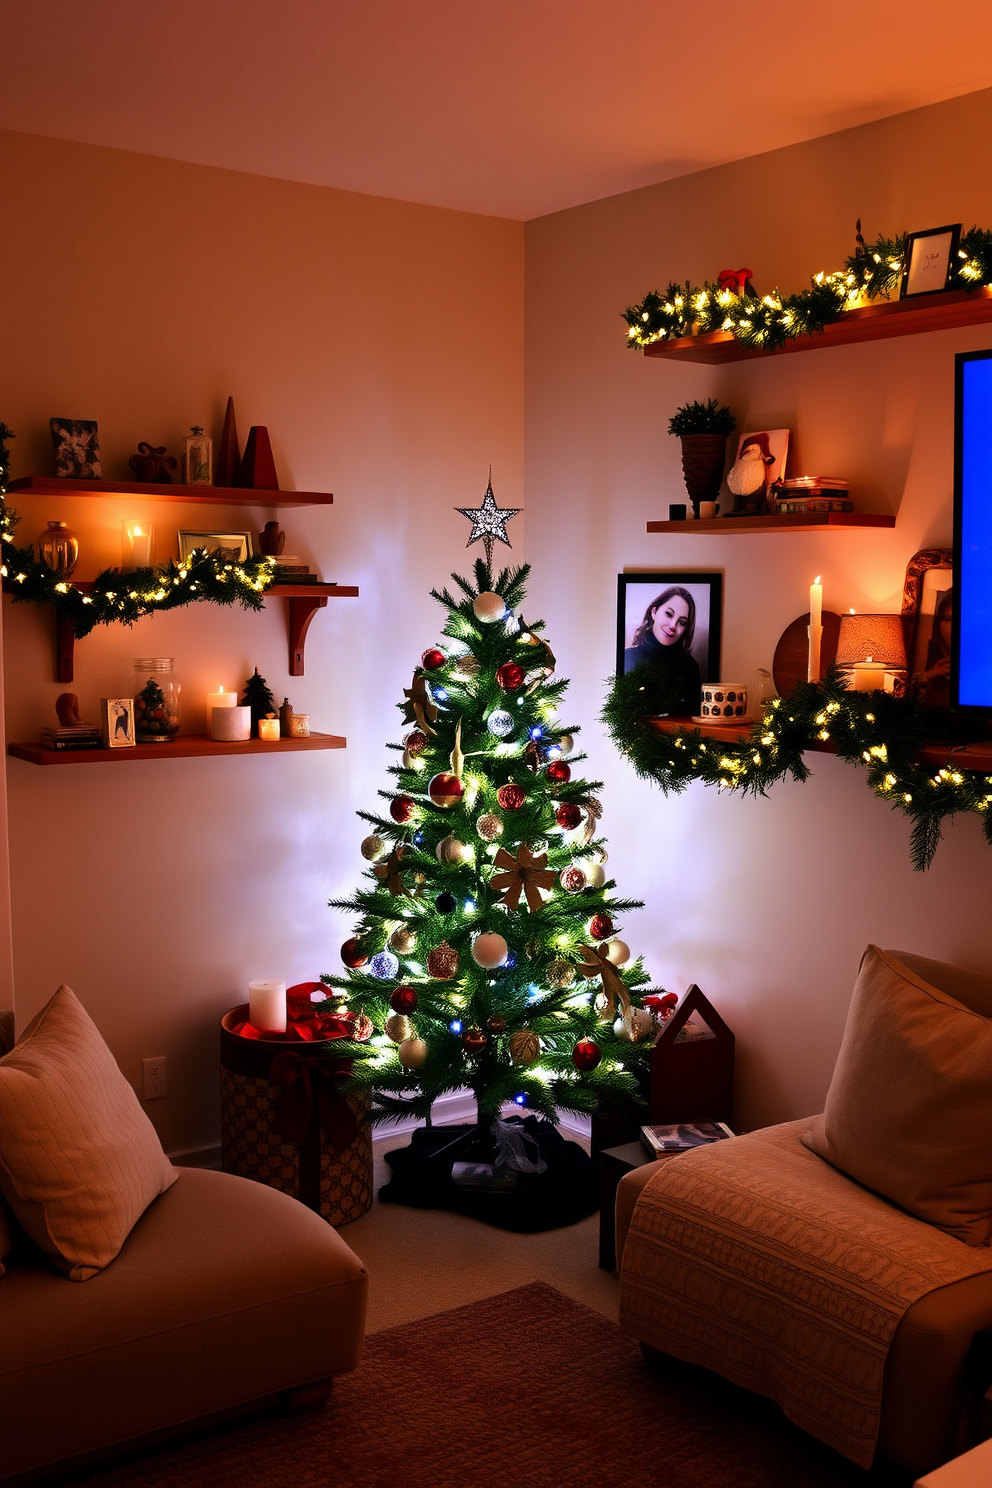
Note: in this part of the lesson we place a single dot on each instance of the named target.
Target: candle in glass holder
(267, 1006)
(268, 729)
(137, 545)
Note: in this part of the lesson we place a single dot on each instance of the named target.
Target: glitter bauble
(401, 808)
(489, 950)
(404, 1000)
(568, 816)
(496, 1023)
(566, 743)
(372, 848)
(362, 1029)
(489, 826)
(595, 874)
(533, 949)
(600, 926)
(635, 1024)
(384, 965)
(560, 973)
(445, 903)
(474, 1040)
(445, 791)
(353, 953)
(464, 668)
(586, 1055)
(415, 742)
(442, 962)
(524, 1046)
(572, 880)
(398, 1028)
(617, 952)
(450, 850)
(558, 772)
(488, 607)
(402, 940)
(413, 1053)
(511, 796)
(510, 676)
(500, 723)
(433, 659)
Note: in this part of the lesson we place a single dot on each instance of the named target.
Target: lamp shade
(878, 638)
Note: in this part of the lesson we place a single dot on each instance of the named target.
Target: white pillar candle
(137, 545)
(268, 729)
(815, 629)
(229, 725)
(869, 676)
(221, 699)
(267, 1006)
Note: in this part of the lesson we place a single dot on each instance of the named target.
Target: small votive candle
(869, 676)
(300, 726)
(229, 725)
(267, 1006)
(137, 545)
(268, 729)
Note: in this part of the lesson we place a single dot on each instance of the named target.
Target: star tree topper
(488, 522)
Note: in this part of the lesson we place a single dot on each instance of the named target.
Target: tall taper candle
(267, 1006)
(815, 629)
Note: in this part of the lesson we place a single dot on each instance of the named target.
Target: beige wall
(381, 343)
(766, 904)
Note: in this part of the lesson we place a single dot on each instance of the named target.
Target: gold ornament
(450, 850)
(442, 962)
(489, 826)
(561, 973)
(398, 1028)
(372, 848)
(524, 874)
(566, 743)
(413, 1053)
(533, 949)
(402, 940)
(465, 668)
(618, 952)
(524, 1046)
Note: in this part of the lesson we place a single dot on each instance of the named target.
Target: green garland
(118, 597)
(875, 730)
(766, 322)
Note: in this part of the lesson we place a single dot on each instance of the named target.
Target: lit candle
(229, 725)
(268, 729)
(267, 1006)
(815, 629)
(221, 699)
(869, 675)
(137, 545)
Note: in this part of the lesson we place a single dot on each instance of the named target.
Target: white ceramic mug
(708, 510)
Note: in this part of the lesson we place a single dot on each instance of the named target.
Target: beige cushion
(909, 1109)
(79, 1160)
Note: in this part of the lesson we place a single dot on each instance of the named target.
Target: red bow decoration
(735, 279)
(303, 1081)
(306, 1021)
(664, 1005)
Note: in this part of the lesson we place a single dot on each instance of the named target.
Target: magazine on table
(660, 1141)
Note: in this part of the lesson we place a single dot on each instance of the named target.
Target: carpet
(526, 1389)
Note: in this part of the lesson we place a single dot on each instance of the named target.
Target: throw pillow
(909, 1108)
(79, 1160)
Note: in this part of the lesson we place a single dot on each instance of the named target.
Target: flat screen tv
(971, 624)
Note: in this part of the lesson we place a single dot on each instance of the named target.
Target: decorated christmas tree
(485, 951)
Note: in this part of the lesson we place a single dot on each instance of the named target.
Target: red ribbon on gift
(305, 1021)
(310, 1107)
(735, 279)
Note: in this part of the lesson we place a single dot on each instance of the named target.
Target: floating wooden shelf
(788, 522)
(976, 756)
(184, 747)
(47, 485)
(302, 600)
(945, 311)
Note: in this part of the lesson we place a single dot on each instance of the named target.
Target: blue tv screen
(971, 668)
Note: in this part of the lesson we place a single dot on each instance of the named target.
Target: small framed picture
(77, 448)
(671, 621)
(760, 461)
(927, 612)
(117, 722)
(929, 258)
(227, 547)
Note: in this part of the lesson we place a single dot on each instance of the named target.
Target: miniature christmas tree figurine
(258, 697)
(485, 950)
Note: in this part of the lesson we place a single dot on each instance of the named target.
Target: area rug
(526, 1389)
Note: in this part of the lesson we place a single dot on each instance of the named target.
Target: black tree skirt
(567, 1191)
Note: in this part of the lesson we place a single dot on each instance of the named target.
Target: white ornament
(617, 952)
(500, 723)
(595, 873)
(489, 950)
(488, 607)
(412, 1053)
(451, 850)
(566, 744)
(634, 1025)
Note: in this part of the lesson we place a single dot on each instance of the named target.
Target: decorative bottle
(58, 549)
(198, 458)
(156, 700)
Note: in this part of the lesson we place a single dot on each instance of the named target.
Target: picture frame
(929, 259)
(76, 443)
(927, 606)
(117, 723)
(671, 604)
(230, 547)
(768, 449)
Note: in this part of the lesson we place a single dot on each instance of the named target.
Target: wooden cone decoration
(258, 468)
(227, 465)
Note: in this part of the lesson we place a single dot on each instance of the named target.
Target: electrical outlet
(153, 1074)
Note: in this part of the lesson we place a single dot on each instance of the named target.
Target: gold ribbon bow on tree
(593, 811)
(420, 707)
(523, 874)
(391, 870)
(595, 962)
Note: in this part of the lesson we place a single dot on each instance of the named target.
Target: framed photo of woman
(672, 622)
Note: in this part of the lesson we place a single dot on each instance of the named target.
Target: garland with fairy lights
(875, 730)
(766, 322)
(124, 598)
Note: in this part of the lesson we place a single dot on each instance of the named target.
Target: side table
(614, 1162)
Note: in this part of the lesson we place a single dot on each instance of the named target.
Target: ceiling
(515, 108)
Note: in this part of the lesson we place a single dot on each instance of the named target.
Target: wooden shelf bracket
(302, 609)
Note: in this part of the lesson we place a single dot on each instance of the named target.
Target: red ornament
(433, 659)
(474, 1041)
(568, 816)
(401, 808)
(442, 962)
(586, 1055)
(404, 1000)
(496, 1023)
(353, 953)
(572, 880)
(510, 676)
(511, 796)
(415, 742)
(559, 772)
(600, 926)
(445, 791)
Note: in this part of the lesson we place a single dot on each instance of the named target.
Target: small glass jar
(58, 548)
(156, 700)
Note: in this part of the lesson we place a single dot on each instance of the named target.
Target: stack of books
(293, 570)
(77, 736)
(666, 1141)
(812, 493)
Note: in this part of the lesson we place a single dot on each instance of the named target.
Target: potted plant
(703, 429)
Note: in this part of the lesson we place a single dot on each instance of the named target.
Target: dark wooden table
(613, 1163)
